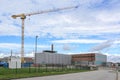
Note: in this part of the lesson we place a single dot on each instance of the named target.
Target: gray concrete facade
(52, 58)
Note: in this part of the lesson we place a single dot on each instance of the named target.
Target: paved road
(92, 75)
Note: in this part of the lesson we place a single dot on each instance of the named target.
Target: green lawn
(6, 74)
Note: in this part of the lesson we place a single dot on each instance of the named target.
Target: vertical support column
(22, 38)
(22, 42)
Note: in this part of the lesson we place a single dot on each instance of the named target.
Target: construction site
(75, 39)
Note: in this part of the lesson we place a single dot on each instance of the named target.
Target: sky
(92, 27)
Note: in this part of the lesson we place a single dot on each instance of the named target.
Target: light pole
(36, 44)
(36, 37)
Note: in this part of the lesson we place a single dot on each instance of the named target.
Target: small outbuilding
(14, 62)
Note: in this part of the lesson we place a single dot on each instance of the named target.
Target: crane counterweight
(13, 16)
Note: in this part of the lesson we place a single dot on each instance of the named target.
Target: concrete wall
(52, 58)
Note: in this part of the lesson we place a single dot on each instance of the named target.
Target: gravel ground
(92, 75)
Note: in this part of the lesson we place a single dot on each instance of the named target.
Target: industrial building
(89, 59)
(75, 59)
(52, 58)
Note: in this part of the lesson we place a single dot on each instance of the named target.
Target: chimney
(52, 47)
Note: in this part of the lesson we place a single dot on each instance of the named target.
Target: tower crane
(23, 17)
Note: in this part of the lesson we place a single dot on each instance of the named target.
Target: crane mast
(23, 17)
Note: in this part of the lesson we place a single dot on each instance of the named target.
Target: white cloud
(28, 54)
(6, 29)
(84, 41)
(67, 31)
(117, 42)
(109, 16)
(113, 57)
(3, 55)
(63, 25)
(59, 24)
(9, 45)
(16, 46)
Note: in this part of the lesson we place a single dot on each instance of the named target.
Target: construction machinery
(23, 17)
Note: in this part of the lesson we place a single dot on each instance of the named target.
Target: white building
(14, 62)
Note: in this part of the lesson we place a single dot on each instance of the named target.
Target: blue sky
(93, 26)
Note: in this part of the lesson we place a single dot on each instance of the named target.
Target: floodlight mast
(23, 17)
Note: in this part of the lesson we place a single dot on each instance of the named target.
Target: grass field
(7, 74)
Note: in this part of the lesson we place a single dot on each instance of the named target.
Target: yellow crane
(23, 17)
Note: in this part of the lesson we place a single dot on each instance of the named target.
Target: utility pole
(36, 37)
